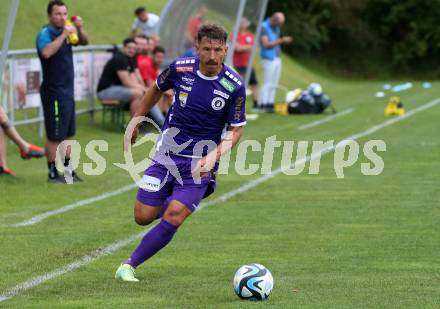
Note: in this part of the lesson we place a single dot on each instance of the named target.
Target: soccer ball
(253, 282)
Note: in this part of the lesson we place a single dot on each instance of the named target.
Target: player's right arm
(48, 48)
(150, 98)
(164, 82)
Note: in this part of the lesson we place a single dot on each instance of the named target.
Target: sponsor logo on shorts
(183, 96)
(221, 93)
(184, 69)
(218, 103)
(151, 183)
(227, 84)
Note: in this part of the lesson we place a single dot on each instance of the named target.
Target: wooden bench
(116, 110)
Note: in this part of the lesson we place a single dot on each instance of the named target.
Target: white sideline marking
(47, 214)
(326, 119)
(87, 259)
(256, 182)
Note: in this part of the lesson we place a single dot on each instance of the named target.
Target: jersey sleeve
(166, 79)
(43, 39)
(237, 109)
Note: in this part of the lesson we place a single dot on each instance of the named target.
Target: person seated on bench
(120, 80)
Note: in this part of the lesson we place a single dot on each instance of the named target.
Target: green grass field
(357, 242)
(106, 22)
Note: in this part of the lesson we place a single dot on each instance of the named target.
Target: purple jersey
(203, 107)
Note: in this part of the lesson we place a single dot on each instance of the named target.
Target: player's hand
(78, 21)
(68, 29)
(287, 39)
(204, 166)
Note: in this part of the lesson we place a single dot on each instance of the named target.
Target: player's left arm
(82, 35)
(231, 138)
(237, 119)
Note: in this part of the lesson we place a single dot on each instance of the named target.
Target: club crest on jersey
(183, 96)
(227, 84)
(218, 103)
(221, 93)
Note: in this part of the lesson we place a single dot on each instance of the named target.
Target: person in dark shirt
(57, 96)
(120, 80)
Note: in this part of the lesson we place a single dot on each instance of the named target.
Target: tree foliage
(411, 27)
(402, 34)
(305, 22)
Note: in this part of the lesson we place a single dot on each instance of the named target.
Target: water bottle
(73, 36)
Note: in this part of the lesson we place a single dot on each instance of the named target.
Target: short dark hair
(128, 41)
(158, 49)
(139, 10)
(212, 32)
(53, 3)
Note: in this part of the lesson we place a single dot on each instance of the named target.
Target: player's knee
(173, 219)
(143, 220)
(143, 215)
(176, 216)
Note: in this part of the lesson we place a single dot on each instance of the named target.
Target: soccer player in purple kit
(205, 121)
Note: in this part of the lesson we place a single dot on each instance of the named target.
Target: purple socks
(153, 241)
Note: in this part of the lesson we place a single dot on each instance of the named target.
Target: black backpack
(308, 104)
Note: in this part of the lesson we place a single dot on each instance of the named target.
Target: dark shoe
(76, 178)
(58, 179)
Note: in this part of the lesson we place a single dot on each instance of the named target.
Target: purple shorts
(169, 178)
